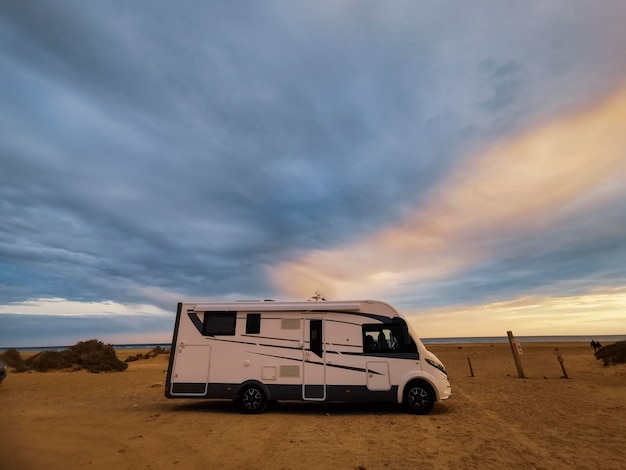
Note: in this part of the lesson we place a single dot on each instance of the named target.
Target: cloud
(515, 189)
(64, 307)
(61, 322)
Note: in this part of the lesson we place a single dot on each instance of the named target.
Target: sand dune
(60, 420)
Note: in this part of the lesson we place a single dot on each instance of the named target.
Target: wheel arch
(417, 379)
(259, 384)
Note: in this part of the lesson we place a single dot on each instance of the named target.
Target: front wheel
(419, 398)
(252, 400)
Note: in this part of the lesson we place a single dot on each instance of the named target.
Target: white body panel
(299, 351)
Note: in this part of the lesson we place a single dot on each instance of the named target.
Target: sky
(463, 161)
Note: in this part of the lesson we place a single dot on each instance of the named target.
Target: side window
(219, 323)
(387, 338)
(253, 323)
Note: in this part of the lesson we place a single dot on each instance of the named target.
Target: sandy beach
(60, 420)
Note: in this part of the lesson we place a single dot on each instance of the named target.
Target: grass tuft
(153, 353)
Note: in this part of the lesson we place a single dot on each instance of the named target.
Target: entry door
(314, 361)
(190, 372)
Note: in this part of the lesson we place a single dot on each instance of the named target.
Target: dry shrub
(159, 350)
(134, 358)
(152, 353)
(95, 356)
(44, 361)
(11, 357)
(613, 353)
(92, 355)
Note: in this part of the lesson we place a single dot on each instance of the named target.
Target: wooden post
(565, 376)
(469, 361)
(557, 353)
(516, 350)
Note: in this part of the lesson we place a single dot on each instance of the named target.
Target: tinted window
(388, 338)
(316, 337)
(219, 323)
(253, 323)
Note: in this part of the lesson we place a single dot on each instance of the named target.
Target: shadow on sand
(300, 408)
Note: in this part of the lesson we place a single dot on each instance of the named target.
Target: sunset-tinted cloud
(546, 179)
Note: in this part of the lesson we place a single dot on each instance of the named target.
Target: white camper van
(258, 351)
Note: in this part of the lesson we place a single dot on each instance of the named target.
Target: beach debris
(613, 353)
(3, 371)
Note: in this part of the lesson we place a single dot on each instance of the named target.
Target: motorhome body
(259, 351)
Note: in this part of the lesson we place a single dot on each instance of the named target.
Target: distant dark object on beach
(153, 353)
(3, 371)
(93, 355)
(613, 353)
(595, 345)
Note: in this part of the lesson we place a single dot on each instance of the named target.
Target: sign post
(516, 349)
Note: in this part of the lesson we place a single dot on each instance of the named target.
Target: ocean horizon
(604, 339)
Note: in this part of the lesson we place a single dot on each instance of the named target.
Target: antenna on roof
(317, 296)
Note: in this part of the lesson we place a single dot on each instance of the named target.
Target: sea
(603, 339)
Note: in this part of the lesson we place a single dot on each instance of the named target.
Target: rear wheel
(419, 398)
(252, 400)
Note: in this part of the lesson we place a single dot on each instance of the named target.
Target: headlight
(436, 365)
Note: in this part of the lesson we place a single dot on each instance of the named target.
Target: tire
(419, 398)
(252, 400)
